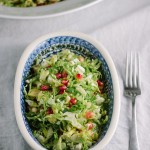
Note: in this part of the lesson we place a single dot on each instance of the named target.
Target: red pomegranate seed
(49, 111)
(44, 87)
(89, 114)
(100, 84)
(73, 101)
(90, 125)
(65, 82)
(61, 92)
(64, 74)
(79, 76)
(62, 88)
(58, 75)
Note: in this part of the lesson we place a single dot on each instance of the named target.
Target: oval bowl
(51, 10)
(81, 44)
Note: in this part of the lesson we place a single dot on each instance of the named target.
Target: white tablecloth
(120, 25)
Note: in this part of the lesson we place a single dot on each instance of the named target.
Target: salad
(27, 3)
(65, 101)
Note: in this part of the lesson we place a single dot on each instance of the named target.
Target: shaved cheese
(81, 90)
(99, 99)
(80, 69)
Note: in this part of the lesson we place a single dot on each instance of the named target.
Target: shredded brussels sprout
(65, 100)
(27, 3)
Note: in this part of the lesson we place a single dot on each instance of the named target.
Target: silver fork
(133, 89)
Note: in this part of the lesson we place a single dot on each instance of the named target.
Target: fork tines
(132, 71)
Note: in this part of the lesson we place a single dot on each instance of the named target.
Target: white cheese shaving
(81, 90)
(80, 69)
(99, 99)
(71, 117)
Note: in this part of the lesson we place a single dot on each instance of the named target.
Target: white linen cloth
(120, 25)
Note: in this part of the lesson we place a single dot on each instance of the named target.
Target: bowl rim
(64, 12)
(111, 66)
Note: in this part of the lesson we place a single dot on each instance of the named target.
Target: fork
(133, 89)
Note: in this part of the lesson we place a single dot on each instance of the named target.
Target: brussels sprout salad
(27, 3)
(66, 101)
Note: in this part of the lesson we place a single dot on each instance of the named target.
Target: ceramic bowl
(78, 43)
(52, 10)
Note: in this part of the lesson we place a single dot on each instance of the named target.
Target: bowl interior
(79, 46)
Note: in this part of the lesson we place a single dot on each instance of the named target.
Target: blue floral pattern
(79, 46)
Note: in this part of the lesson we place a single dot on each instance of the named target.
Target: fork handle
(133, 141)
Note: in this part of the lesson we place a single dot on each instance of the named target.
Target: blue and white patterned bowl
(78, 43)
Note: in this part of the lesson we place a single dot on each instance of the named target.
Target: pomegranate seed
(73, 101)
(64, 74)
(100, 84)
(61, 92)
(49, 111)
(79, 76)
(89, 115)
(90, 125)
(62, 88)
(58, 75)
(65, 82)
(44, 87)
